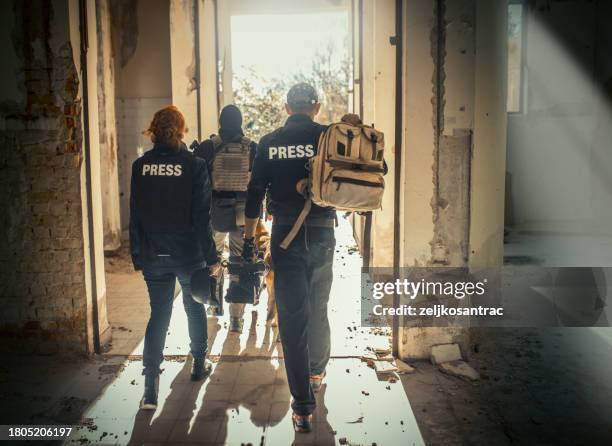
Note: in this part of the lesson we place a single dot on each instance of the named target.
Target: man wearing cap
(303, 271)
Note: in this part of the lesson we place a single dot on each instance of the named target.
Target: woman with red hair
(170, 238)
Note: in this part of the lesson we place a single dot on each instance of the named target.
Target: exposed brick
(42, 262)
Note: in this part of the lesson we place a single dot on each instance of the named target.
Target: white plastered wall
(379, 109)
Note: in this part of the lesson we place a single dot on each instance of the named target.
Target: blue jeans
(161, 296)
(303, 276)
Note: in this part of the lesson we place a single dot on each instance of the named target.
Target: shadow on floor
(242, 398)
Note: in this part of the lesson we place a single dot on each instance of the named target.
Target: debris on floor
(404, 367)
(382, 351)
(358, 420)
(460, 369)
(445, 353)
(385, 367)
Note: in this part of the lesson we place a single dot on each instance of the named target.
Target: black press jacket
(279, 164)
(170, 211)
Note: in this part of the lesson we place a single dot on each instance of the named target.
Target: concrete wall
(141, 42)
(44, 257)
(183, 62)
(453, 144)
(91, 188)
(558, 146)
(379, 109)
(487, 187)
(107, 128)
(419, 136)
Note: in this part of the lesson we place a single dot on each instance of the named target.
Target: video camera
(244, 287)
(246, 279)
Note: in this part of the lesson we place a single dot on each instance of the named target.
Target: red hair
(167, 127)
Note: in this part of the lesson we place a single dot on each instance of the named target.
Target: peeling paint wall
(141, 43)
(419, 135)
(42, 267)
(183, 62)
(453, 98)
(454, 139)
(379, 109)
(108, 129)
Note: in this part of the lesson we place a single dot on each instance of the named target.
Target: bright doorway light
(272, 52)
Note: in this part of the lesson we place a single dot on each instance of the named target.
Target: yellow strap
(297, 225)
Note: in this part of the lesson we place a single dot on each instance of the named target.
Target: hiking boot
(200, 369)
(149, 399)
(316, 381)
(236, 324)
(302, 423)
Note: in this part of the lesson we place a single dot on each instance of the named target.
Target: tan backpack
(231, 164)
(346, 173)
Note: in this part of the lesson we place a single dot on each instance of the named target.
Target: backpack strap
(297, 225)
(350, 135)
(302, 188)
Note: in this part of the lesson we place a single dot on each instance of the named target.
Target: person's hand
(213, 270)
(352, 118)
(248, 249)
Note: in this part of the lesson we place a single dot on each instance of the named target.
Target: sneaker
(236, 324)
(200, 369)
(149, 399)
(302, 423)
(316, 381)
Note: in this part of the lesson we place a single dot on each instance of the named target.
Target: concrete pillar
(108, 130)
(379, 109)
(454, 145)
(183, 63)
(490, 124)
(208, 68)
(224, 34)
(95, 281)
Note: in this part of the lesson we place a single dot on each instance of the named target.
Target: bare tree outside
(262, 101)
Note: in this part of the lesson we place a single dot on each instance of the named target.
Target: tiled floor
(246, 399)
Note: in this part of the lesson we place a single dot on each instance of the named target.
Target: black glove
(248, 249)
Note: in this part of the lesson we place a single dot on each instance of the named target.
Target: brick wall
(42, 292)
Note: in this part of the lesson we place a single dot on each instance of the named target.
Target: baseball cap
(302, 94)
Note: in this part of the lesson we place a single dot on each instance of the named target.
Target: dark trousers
(161, 296)
(302, 281)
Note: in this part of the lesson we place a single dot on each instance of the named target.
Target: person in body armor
(170, 238)
(229, 182)
(303, 272)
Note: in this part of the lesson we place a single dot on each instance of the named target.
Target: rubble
(385, 367)
(382, 351)
(444, 353)
(460, 369)
(403, 367)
